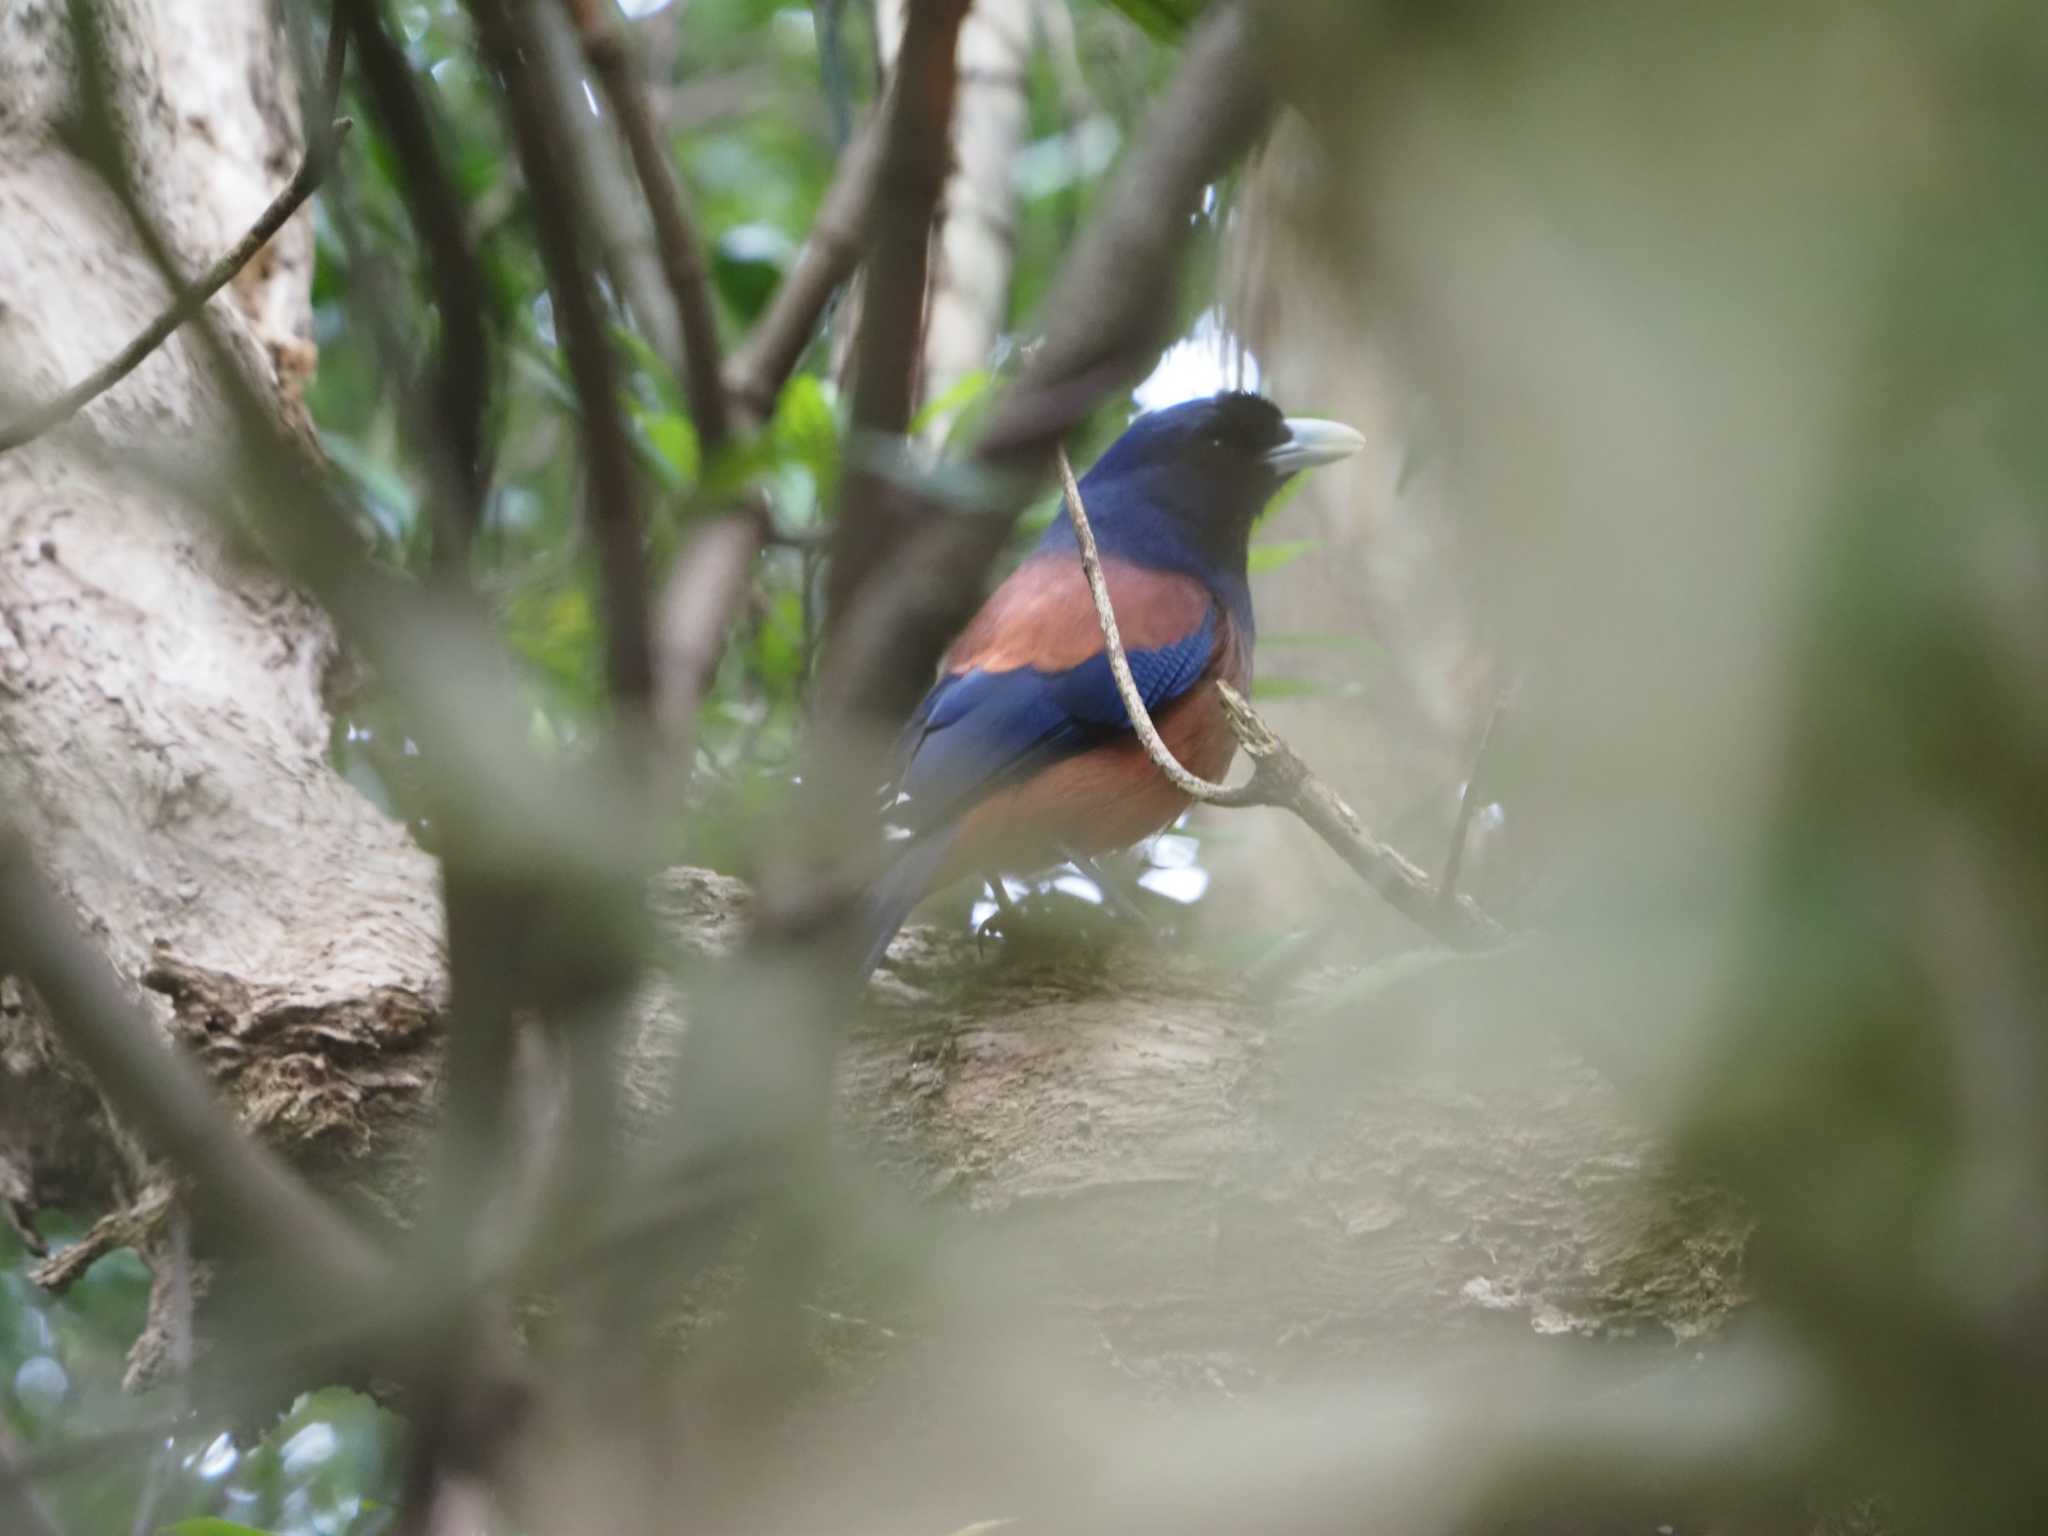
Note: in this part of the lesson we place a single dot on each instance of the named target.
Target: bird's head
(1182, 487)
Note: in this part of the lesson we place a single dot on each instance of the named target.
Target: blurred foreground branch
(1279, 777)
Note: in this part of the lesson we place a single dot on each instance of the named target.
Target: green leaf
(747, 265)
(675, 440)
(209, 1525)
(953, 402)
(806, 428)
(1270, 557)
(1266, 689)
(1166, 20)
(1364, 647)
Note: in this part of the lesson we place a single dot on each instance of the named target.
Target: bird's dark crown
(1181, 488)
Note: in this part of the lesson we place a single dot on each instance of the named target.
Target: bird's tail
(902, 886)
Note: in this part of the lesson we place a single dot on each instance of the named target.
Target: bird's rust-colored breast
(1044, 616)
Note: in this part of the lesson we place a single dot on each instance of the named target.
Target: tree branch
(1279, 777)
(918, 118)
(185, 304)
(461, 369)
(698, 605)
(510, 39)
(675, 232)
(916, 155)
(764, 361)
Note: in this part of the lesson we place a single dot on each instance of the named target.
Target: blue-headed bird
(1022, 754)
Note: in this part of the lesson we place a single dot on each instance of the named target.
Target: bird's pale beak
(1309, 443)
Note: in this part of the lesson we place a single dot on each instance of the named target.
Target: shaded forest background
(1691, 590)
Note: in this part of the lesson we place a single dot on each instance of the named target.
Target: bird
(1022, 754)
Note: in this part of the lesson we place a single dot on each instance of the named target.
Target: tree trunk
(163, 736)
(1132, 1118)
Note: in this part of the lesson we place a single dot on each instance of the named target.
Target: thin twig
(1189, 784)
(1282, 779)
(1279, 778)
(675, 232)
(179, 1284)
(185, 304)
(1468, 802)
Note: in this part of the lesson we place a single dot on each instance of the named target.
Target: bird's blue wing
(978, 730)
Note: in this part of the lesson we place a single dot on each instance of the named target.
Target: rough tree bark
(163, 740)
(163, 734)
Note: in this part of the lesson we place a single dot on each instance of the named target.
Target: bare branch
(454, 440)
(698, 606)
(1283, 780)
(758, 369)
(188, 301)
(675, 232)
(873, 519)
(510, 37)
(1279, 778)
(916, 156)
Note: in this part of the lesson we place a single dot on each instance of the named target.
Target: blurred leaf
(747, 266)
(1271, 557)
(1166, 20)
(675, 441)
(207, 1525)
(1062, 160)
(806, 429)
(953, 401)
(1317, 640)
(385, 495)
(1271, 688)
